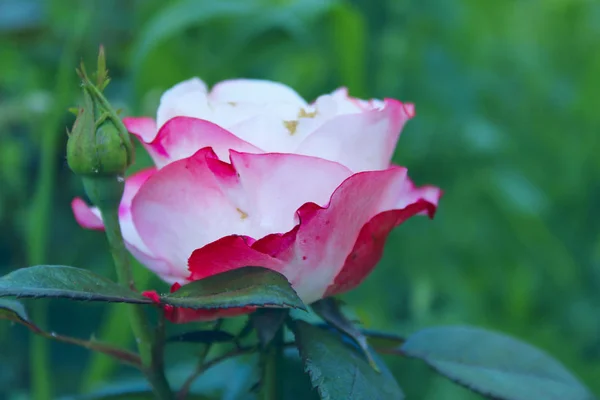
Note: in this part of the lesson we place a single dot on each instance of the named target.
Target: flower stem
(106, 193)
(272, 360)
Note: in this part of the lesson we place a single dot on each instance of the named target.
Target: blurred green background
(507, 98)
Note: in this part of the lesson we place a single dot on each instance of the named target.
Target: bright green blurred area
(507, 99)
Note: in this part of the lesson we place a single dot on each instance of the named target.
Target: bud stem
(272, 358)
(106, 193)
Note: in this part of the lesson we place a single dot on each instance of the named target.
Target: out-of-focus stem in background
(40, 212)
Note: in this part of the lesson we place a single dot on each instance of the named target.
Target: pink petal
(182, 208)
(142, 127)
(86, 216)
(181, 137)
(362, 141)
(276, 185)
(255, 91)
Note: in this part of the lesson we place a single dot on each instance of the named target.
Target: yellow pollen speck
(291, 126)
(243, 215)
(304, 114)
(232, 103)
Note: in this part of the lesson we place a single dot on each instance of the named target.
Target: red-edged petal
(363, 141)
(368, 248)
(226, 254)
(181, 137)
(312, 254)
(182, 208)
(142, 127)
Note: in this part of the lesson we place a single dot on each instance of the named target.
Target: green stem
(271, 385)
(106, 193)
(113, 329)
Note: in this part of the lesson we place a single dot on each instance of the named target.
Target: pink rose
(251, 174)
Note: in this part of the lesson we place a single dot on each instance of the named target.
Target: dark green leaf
(329, 310)
(267, 322)
(338, 371)
(66, 282)
(206, 336)
(494, 364)
(248, 286)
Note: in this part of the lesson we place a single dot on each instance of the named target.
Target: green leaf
(329, 310)
(267, 323)
(205, 336)
(66, 282)
(494, 364)
(248, 286)
(338, 371)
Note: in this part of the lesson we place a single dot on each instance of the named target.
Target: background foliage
(507, 124)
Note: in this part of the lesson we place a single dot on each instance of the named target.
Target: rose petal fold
(186, 99)
(181, 137)
(362, 141)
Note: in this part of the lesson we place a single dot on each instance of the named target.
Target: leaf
(66, 282)
(267, 323)
(204, 336)
(338, 371)
(494, 364)
(329, 310)
(248, 286)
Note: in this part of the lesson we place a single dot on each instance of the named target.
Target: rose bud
(99, 148)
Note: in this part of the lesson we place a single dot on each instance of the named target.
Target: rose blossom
(250, 174)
